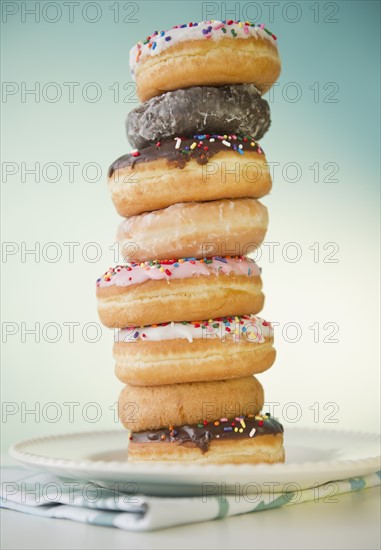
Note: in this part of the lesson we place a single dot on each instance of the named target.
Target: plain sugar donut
(153, 407)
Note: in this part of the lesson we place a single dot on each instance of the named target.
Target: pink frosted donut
(183, 290)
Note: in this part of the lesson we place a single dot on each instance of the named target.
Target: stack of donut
(185, 302)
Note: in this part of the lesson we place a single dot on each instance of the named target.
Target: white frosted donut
(182, 290)
(205, 53)
(201, 168)
(194, 229)
(175, 353)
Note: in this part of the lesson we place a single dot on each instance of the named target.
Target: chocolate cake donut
(230, 109)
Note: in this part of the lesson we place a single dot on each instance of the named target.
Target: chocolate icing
(204, 150)
(200, 435)
(230, 109)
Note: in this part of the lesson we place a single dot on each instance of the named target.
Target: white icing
(248, 328)
(177, 35)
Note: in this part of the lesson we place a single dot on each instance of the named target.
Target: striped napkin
(48, 496)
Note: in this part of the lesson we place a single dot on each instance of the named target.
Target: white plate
(313, 457)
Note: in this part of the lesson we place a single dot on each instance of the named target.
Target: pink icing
(132, 274)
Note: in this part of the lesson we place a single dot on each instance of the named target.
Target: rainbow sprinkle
(206, 33)
(198, 141)
(211, 324)
(206, 430)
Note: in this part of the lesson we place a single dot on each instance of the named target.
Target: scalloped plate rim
(16, 451)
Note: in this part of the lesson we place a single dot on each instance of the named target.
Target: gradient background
(331, 48)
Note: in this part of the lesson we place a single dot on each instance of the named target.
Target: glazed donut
(182, 290)
(202, 168)
(152, 407)
(194, 229)
(230, 109)
(175, 353)
(246, 439)
(205, 54)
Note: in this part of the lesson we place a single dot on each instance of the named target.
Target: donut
(152, 407)
(209, 53)
(245, 439)
(194, 229)
(202, 168)
(230, 109)
(176, 353)
(182, 290)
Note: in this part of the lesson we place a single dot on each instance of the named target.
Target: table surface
(351, 523)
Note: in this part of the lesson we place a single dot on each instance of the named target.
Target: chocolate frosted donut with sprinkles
(243, 439)
(230, 109)
(203, 167)
(208, 53)
(178, 290)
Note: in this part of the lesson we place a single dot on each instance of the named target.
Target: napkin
(46, 495)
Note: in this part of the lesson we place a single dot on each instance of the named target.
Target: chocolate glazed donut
(230, 109)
